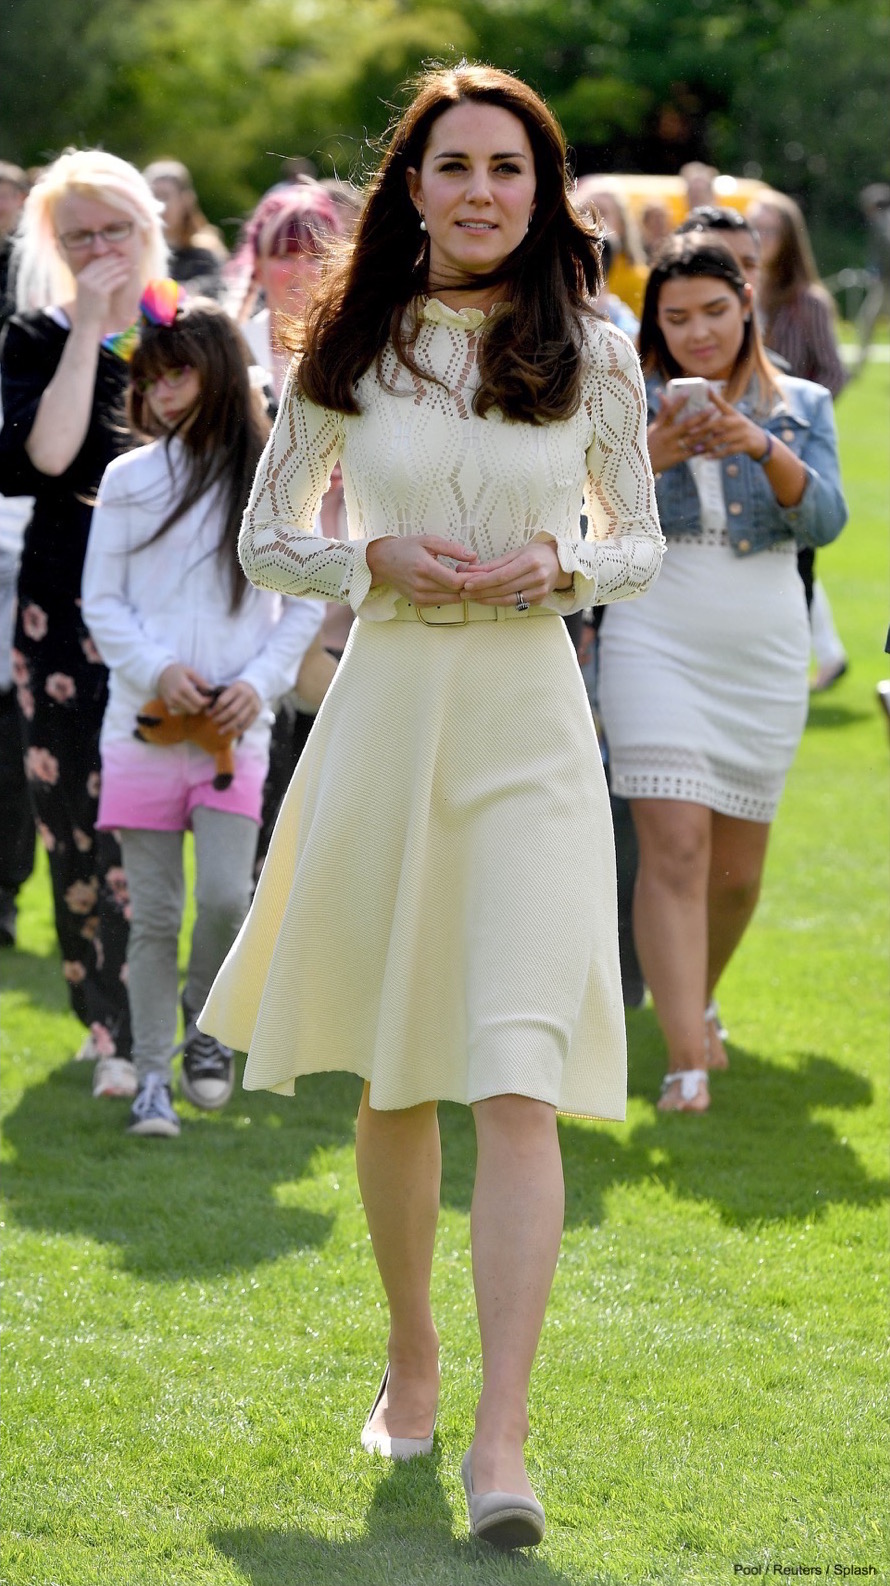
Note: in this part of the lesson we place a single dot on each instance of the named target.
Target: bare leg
(671, 921)
(517, 1218)
(399, 1163)
(738, 854)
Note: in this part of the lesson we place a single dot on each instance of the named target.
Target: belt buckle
(447, 622)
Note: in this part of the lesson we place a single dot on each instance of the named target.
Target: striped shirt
(802, 332)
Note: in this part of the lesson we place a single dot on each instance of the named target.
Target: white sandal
(693, 1083)
(712, 1016)
(715, 1035)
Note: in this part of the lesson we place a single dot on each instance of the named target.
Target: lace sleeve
(623, 552)
(277, 545)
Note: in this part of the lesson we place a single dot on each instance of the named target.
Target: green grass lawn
(194, 1329)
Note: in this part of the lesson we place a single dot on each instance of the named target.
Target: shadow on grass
(409, 1539)
(175, 1208)
(761, 1154)
(828, 713)
(209, 1201)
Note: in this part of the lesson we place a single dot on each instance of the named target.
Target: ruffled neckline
(435, 312)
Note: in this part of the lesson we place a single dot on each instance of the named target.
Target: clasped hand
(185, 692)
(718, 431)
(96, 285)
(417, 566)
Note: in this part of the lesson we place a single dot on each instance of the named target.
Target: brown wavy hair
(793, 272)
(696, 256)
(225, 437)
(530, 357)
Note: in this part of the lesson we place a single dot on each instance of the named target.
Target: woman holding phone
(703, 685)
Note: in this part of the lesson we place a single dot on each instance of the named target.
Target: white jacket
(171, 601)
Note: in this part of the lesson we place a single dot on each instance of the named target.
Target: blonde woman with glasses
(89, 241)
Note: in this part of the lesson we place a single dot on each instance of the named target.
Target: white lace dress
(702, 688)
(437, 911)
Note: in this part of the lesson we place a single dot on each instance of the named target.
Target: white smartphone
(694, 391)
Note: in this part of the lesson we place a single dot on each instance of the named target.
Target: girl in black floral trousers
(62, 688)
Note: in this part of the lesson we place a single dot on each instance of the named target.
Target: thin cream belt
(459, 614)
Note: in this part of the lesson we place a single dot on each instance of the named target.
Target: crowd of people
(70, 401)
(228, 567)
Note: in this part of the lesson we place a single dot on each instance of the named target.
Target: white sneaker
(115, 1076)
(98, 1043)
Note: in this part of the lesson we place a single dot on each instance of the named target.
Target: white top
(257, 332)
(707, 476)
(171, 600)
(417, 459)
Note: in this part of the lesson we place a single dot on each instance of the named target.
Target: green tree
(790, 89)
(812, 120)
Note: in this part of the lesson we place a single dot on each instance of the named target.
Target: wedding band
(521, 605)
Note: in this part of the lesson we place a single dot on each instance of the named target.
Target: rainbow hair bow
(160, 303)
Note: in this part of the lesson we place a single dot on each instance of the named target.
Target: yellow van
(735, 192)
(633, 195)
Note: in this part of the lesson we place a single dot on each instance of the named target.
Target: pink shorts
(146, 787)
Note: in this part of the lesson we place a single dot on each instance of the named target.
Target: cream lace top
(417, 459)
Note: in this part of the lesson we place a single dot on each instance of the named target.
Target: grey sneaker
(208, 1071)
(152, 1111)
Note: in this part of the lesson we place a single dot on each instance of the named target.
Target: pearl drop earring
(422, 222)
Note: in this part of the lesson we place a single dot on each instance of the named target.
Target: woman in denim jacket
(703, 684)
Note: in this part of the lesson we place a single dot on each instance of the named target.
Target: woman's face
(767, 223)
(744, 246)
(702, 320)
(475, 189)
(172, 398)
(655, 225)
(88, 228)
(176, 204)
(287, 279)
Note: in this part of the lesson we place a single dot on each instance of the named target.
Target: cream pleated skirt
(437, 911)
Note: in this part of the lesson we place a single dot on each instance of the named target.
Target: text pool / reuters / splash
(831, 1571)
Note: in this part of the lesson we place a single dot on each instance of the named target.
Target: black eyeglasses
(79, 241)
(171, 378)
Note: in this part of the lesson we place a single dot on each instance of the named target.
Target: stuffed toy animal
(156, 724)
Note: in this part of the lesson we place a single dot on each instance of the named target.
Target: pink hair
(296, 218)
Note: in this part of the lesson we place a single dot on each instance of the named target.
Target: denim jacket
(803, 417)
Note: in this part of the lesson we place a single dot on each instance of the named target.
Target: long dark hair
(530, 357)
(225, 435)
(793, 272)
(694, 256)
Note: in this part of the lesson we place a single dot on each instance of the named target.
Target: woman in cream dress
(437, 912)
